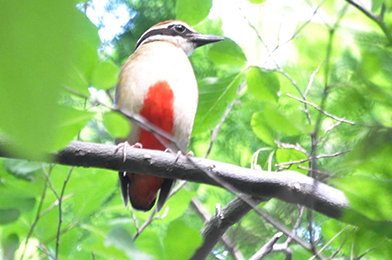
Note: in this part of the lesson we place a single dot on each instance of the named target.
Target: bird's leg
(125, 145)
(179, 153)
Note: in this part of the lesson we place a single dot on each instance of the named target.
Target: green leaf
(177, 205)
(15, 200)
(271, 124)
(9, 245)
(192, 12)
(181, 241)
(105, 75)
(116, 124)
(96, 243)
(290, 155)
(72, 123)
(368, 195)
(262, 84)
(81, 184)
(215, 94)
(372, 154)
(376, 5)
(278, 121)
(262, 129)
(227, 53)
(8, 216)
(151, 237)
(41, 39)
(257, 1)
(356, 240)
(299, 252)
(121, 239)
(82, 67)
(21, 168)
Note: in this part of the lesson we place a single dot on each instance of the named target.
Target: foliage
(317, 101)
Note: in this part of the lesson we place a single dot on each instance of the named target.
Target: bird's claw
(124, 146)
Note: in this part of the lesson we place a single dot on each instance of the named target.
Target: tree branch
(219, 223)
(288, 186)
(210, 239)
(267, 248)
(377, 19)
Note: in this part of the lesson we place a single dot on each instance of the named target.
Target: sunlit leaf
(264, 85)
(368, 195)
(105, 75)
(270, 124)
(181, 241)
(214, 97)
(121, 239)
(351, 239)
(192, 12)
(72, 122)
(299, 252)
(262, 129)
(151, 237)
(372, 154)
(42, 38)
(116, 124)
(81, 184)
(177, 205)
(284, 155)
(81, 68)
(257, 1)
(227, 53)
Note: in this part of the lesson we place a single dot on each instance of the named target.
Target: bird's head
(179, 33)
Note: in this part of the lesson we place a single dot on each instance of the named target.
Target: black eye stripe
(170, 31)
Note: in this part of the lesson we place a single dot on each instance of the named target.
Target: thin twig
(332, 127)
(296, 225)
(315, 157)
(300, 28)
(325, 174)
(37, 217)
(43, 248)
(218, 126)
(140, 229)
(343, 120)
(311, 79)
(54, 204)
(330, 241)
(49, 182)
(377, 19)
(267, 248)
(296, 146)
(145, 224)
(61, 212)
(338, 250)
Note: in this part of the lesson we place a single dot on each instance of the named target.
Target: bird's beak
(203, 39)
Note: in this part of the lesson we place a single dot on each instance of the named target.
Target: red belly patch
(158, 110)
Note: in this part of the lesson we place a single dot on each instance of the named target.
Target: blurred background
(303, 85)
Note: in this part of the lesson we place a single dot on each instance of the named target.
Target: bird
(157, 82)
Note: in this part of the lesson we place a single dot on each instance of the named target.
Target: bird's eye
(179, 28)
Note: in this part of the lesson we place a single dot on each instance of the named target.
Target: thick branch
(288, 186)
(219, 223)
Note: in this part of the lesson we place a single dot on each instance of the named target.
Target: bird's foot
(179, 153)
(124, 146)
